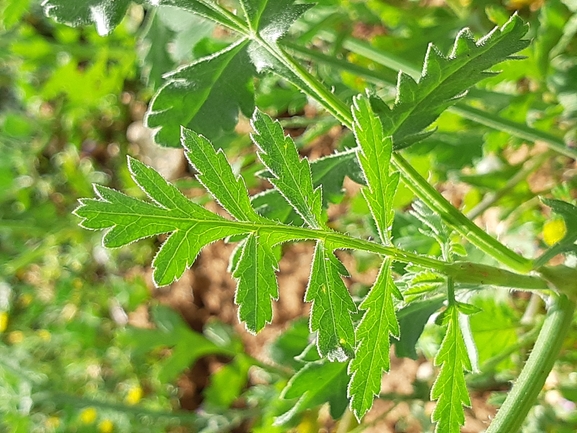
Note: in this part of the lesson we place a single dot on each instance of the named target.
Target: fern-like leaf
(446, 79)
(373, 334)
(450, 389)
(128, 219)
(332, 306)
(255, 269)
(379, 321)
(291, 175)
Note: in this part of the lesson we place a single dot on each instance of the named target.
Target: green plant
(205, 97)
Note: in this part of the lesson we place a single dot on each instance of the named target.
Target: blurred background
(88, 345)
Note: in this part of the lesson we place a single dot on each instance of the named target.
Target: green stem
(461, 272)
(516, 129)
(422, 189)
(522, 396)
(492, 198)
(451, 292)
(454, 218)
(313, 87)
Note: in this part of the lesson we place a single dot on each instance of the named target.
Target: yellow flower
(3, 321)
(25, 299)
(53, 422)
(553, 231)
(134, 395)
(44, 335)
(105, 426)
(88, 415)
(15, 337)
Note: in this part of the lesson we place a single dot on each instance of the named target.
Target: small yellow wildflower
(553, 231)
(15, 337)
(25, 299)
(3, 321)
(134, 395)
(88, 415)
(53, 422)
(105, 426)
(44, 335)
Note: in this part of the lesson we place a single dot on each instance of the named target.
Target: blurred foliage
(69, 361)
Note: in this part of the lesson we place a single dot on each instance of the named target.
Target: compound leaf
(257, 283)
(256, 264)
(379, 321)
(332, 306)
(373, 334)
(328, 172)
(317, 383)
(205, 95)
(291, 175)
(374, 157)
(446, 79)
(450, 389)
(215, 174)
(129, 219)
(105, 14)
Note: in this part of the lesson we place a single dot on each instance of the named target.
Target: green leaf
(379, 320)
(328, 172)
(446, 79)
(105, 14)
(153, 50)
(315, 384)
(215, 174)
(256, 265)
(168, 39)
(291, 175)
(205, 95)
(450, 389)
(291, 343)
(495, 328)
(257, 283)
(208, 94)
(206, 9)
(129, 219)
(412, 321)
(373, 334)
(332, 306)
(172, 332)
(227, 383)
(374, 157)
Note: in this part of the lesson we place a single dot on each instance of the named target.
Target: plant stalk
(454, 218)
(395, 63)
(426, 192)
(522, 396)
(461, 272)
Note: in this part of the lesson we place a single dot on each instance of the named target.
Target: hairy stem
(454, 218)
(492, 198)
(413, 179)
(395, 63)
(522, 396)
(461, 272)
